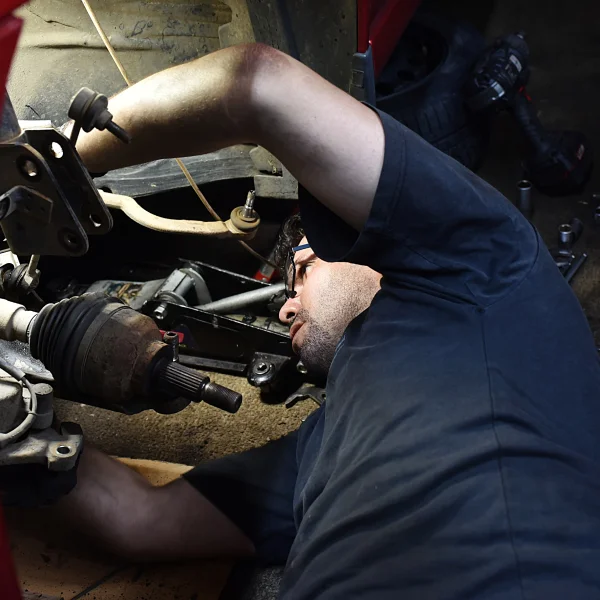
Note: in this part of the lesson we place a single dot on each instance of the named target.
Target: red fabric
(10, 27)
(9, 584)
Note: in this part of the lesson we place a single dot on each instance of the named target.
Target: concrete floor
(565, 56)
(197, 433)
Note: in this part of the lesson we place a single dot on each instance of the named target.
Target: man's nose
(288, 312)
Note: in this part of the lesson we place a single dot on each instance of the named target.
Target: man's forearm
(330, 142)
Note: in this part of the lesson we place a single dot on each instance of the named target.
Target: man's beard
(348, 294)
(318, 347)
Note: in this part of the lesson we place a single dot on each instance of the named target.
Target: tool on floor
(575, 266)
(524, 200)
(560, 162)
(567, 261)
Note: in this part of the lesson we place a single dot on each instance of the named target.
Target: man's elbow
(255, 77)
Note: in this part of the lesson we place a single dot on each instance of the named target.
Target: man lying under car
(457, 455)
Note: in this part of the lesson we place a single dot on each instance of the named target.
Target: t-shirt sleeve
(433, 224)
(255, 489)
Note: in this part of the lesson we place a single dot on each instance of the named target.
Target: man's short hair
(290, 235)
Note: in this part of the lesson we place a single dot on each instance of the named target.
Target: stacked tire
(422, 86)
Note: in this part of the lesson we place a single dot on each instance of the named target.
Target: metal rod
(248, 210)
(233, 303)
(572, 270)
(33, 264)
(9, 127)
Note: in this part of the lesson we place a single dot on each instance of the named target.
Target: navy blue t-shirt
(458, 453)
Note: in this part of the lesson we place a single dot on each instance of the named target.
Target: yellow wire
(184, 170)
(106, 41)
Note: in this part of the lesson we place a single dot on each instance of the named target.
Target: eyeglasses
(290, 271)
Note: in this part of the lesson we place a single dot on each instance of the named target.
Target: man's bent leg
(117, 507)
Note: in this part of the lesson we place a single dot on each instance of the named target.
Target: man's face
(328, 297)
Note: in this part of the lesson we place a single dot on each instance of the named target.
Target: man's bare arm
(118, 508)
(330, 142)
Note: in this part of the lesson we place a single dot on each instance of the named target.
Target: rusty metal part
(171, 338)
(116, 354)
(102, 352)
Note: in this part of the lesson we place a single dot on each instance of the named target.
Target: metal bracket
(304, 392)
(59, 451)
(51, 204)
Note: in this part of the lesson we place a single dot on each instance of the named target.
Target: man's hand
(330, 142)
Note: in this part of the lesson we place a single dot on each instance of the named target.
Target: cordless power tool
(559, 162)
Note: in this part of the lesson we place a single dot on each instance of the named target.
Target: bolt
(565, 235)
(118, 132)
(248, 210)
(261, 368)
(172, 339)
(160, 312)
(301, 368)
(29, 169)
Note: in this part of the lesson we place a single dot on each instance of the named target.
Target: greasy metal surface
(18, 354)
(273, 179)
(59, 451)
(218, 336)
(74, 179)
(53, 204)
(41, 222)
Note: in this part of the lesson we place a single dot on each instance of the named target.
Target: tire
(422, 87)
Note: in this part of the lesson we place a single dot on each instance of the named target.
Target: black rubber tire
(433, 105)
